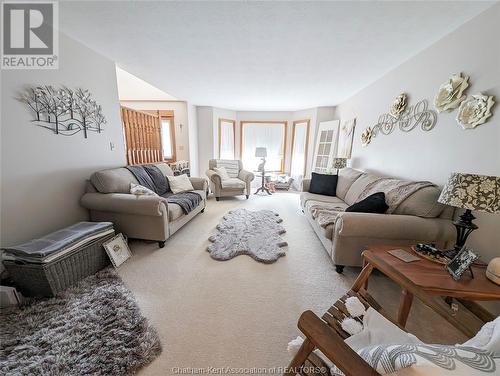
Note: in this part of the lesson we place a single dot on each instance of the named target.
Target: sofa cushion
(347, 176)
(114, 180)
(336, 202)
(358, 187)
(233, 183)
(323, 184)
(232, 166)
(423, 203)
(165, 169)
(374, 203)
(305, 197)
(175, 211)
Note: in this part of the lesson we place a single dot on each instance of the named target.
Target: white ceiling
(262, 55)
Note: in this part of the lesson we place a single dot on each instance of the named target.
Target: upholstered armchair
(236, 183)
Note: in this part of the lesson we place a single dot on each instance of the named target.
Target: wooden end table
(430, 283)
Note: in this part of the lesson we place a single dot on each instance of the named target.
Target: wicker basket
(55, 276)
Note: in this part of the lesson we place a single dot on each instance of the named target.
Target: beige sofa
(239, 183)
(419, 218)
(143, 217)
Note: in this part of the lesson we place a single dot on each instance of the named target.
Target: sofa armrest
(393, 226)
(305, 185)
(125, 203)
(214, 177)
(246, 176)
(199, 184)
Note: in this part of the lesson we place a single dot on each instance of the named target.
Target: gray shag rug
(93, 328)
(252, 233)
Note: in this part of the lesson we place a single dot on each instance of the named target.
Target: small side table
(429, 282)
(262, 187)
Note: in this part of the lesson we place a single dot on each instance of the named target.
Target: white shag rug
(253, 233)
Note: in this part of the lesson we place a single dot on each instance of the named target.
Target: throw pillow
(140, 190)
(323, 184)
(374, 203)
(425, 359)
(179, 184)
(222, 172)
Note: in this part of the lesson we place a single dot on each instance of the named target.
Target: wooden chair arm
(333, 346)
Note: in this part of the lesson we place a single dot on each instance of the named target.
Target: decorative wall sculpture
(366, 136)
(398, 106)
(409, 119)
(64, 111)
(475, 110)
(451, 93)
(346, 136)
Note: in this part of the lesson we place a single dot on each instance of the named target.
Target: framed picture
(117, 250)
(461, 262)
(346, 135)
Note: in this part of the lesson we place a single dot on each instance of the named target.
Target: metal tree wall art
(64, 111)
(408, 119)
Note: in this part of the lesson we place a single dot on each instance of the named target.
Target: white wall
(473, 50)
(43, 174)
(131, 87)
(193, 140)
(205, 120)
(180, 119)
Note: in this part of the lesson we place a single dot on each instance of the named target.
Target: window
(166, 138)
(300, 138)
(226, 138)
(167, 130)
(268, 134)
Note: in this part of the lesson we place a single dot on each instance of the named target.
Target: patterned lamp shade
(339, 163)
(474, 192)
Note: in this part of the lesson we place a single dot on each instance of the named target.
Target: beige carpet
(241, 313)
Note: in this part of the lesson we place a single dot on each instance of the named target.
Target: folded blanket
(188, 201)
(160, 182)
(37, 250)
(142, 177)
(396, 191)
(151, 177)
(325, 214)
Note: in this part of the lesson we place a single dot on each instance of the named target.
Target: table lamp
(470, 192)
(261, 152)
(339, 163)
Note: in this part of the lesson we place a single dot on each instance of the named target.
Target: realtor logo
(29, 35)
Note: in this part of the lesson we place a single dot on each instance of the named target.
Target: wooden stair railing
(142, 136)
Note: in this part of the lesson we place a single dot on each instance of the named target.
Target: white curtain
(226, 140)
(299, 154)
(268, 135)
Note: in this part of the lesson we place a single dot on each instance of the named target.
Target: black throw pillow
(323, 184)
(374, 203)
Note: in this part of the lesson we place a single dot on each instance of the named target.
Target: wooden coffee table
(430, 283)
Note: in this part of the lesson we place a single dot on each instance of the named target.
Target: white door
(326, 146)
